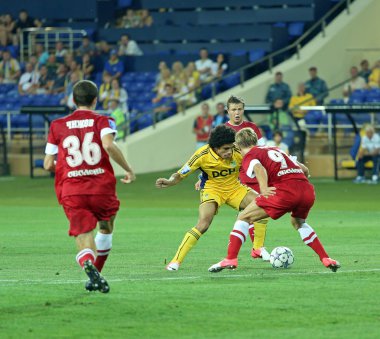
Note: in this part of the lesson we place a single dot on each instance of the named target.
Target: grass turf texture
(42, 289)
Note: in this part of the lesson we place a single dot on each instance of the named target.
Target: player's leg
(86, 259)
(238, 236)
(310, 238)
(256, 231)
(103, 241)
(82, 224)
(207, 211)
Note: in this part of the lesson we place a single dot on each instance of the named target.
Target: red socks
(237, 238)
(103, 245)
(309, 237)
(84, 255)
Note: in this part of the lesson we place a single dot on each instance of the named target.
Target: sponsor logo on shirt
(223, 173)
(85, 172)
(185, 169)
(289, 171)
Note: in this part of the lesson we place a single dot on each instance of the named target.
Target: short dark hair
(221, 135)
(84, 93)
(278, 133)
(234, 100)
(278, 73)
(313, 68)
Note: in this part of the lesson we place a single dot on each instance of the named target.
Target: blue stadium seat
(295, 29)
(20, 120)
(232, 80)
(373, 94)
(336, 102)
(145, 120)
(256, 54)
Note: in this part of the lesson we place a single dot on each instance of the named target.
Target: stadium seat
(144, 120)
(256, 54)
(295, 29)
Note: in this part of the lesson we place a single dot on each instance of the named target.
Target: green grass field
(42, 289)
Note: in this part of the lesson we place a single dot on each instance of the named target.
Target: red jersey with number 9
(279, 166)
(83, 166)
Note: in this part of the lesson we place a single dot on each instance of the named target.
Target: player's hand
(197, 185)
(267, 192)
(163, 183)
(128, 178)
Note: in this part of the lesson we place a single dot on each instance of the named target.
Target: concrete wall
(172, 142)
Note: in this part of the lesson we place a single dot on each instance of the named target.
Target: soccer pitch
(42, 289)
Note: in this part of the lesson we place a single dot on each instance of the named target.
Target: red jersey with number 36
(83, 166)
(279, 166)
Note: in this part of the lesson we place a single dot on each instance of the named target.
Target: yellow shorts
(233, 198)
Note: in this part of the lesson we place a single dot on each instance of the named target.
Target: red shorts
(84, 211)
(295, 196)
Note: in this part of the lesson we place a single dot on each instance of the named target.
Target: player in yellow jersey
(220, 163)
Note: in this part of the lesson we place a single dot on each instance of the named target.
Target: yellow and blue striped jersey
(220, 174)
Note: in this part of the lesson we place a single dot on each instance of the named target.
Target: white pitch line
(212, 276)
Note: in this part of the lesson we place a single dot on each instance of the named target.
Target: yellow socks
(260, 232)
(190, 239)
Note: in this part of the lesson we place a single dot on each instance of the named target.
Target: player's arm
(49, 162)
(304, 169)
(114, 152)
(192, 165)
(262, 179)
(174, 179)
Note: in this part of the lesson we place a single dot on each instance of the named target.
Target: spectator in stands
(193, 81)
(60, 51)
(374, 78)
(87, 46)
(369, 150)
(60, 80)
(364, 70)
(9, 69)
(221, 116)
(356, 82)
(128, 47)
(178, 75)
(114, 66)
(203, 125)
(219, 67)
(34, 61)
(115, 92)
(301, 99)
(7, 25)
(316, 86)
(87, 67)
(52, 66)
(160, 88)
(166, 106)
(68, 98)
(75, 68)
(103, 48)
(45, 83)
(204, 66)
(105, 87)
(279, 116)
(29, 80)
(69, 58)
(161, 66)
(119, 116)
(24, 21)
(41, 54)
(146, 19)
(131, 19)
(278, 90)
(277, 142)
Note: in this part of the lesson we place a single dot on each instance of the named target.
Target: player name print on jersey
(80, 123)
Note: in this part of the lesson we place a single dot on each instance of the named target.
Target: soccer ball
(281, 257)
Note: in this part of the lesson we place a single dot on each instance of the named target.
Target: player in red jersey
(257, 231)
(78, 150)
(283, 188)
